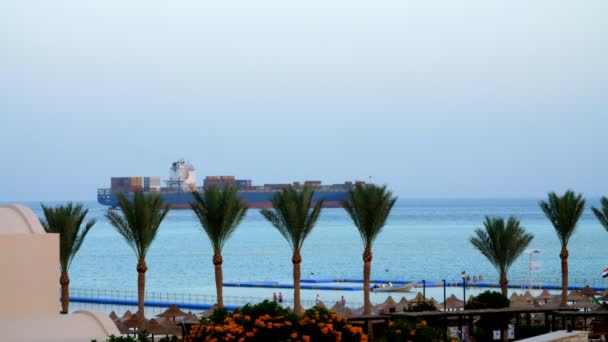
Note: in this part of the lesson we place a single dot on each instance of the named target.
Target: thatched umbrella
(574, 296)
(387, 305)
(419, 297)
(337, 306)
(126, 316)
(132, 323)
(453, 303)
(588, 291)
(403, 303)
(545, 296)
(190, 318)
(172, 312)
(528, 296)
(155, 328)
(114, 317)
(603, 298)
(586, 303)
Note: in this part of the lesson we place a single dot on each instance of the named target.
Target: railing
(172, 298)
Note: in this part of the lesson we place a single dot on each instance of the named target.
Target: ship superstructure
(182, 182)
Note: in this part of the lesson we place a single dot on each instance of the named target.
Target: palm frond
(139, 220)
(563, 213)
(293, 215)
(369, 207)
(501, 244)
(66, 220)
(219, 213)
(602, 213)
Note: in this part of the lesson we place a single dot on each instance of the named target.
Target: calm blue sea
(424, 239)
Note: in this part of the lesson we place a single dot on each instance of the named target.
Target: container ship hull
(254, 199)
(178, 189)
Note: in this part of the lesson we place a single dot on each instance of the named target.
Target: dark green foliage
(264, 308)
(317, 311)
(602, 213)
(139, 221)
(421, 305)
(501, 243)
(293, 215)
(563, 213)
(66, 220)
(219, 212)
(121, 339)
(144, 336)
(369, 206)
(217, 316)
(404, 330)
(488, 300)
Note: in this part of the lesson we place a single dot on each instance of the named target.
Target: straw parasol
(574, 296)
(172, 312)
(453, 303)
(588, 291)
(387, 305)
(528, 296)
(603, 298)
(114, 317)
(132, 322)
(126, 316)
(403, 303)
(190, 318)
(337, 306)
(155, 328)
(209, 311)
(545, 296)
(419, 297)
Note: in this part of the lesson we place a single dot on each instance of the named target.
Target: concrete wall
(81, 326)
(29, 265)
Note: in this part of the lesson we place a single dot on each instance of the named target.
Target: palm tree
(602, 214)
(564, 212)
(368, 206)
(501, 244)
(294, 216)
(219, 213)
(138, 225)
(66, 220)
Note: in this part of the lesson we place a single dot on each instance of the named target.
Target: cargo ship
(182, 182)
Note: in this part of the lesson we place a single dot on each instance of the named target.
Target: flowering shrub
(404, 330)
(253, 323)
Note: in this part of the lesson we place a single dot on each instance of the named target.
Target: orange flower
(293, 335)
(306, 338)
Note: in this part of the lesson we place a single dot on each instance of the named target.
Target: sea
(424, 239)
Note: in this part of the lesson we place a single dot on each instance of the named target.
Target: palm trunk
(141, 288)
(564, 256)
(503, 284)
(64, 280)
(367, 268)
(217, 261)
(297, 305)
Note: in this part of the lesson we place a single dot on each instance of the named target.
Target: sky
(469, 98)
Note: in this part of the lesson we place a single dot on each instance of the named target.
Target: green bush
(404, 330)
(488, 300)
(420, 305)
(264, 308)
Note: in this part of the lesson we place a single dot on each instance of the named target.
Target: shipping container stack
(313, 184)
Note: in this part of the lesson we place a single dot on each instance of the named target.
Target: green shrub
(404, 330)
(420, 305)
(488, 300)
(264, 308)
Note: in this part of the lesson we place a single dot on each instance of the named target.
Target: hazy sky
(468, 98)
